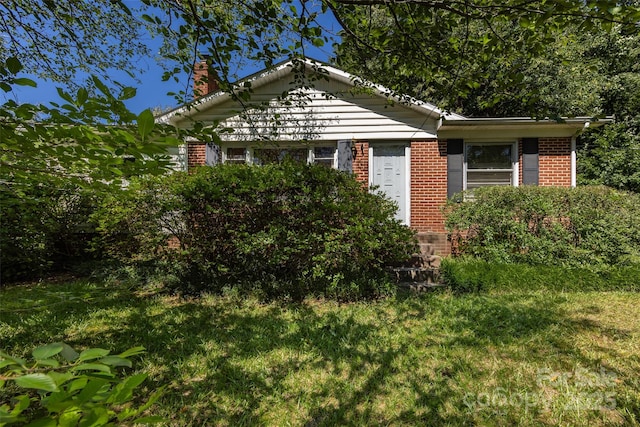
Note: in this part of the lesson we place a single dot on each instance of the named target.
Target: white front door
(389, 174)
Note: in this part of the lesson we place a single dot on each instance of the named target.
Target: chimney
(204, 79)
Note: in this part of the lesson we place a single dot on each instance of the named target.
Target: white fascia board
(516, 127)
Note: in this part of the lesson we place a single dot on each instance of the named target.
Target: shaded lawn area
(434, 359)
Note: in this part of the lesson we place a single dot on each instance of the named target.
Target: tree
(58, 39)
(54, 159)
(432, 47)
(451, 52)
(583, 67)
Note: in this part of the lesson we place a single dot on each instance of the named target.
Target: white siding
(331, 111)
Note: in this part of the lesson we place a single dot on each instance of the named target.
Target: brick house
(415, 153)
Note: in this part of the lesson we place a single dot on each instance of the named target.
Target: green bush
(285, 230)
(43, 228)
(61, 387)
(574, 227)
(476, 275)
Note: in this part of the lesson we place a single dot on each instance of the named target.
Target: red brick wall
(361, 162)
(555, 161)
(428, 184)
(196, 154)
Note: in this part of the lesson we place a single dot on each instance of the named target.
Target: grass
(506, 358)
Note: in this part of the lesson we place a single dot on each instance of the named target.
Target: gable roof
(282, 71)
(344, 106)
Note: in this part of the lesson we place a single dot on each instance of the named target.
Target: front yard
(538, 358)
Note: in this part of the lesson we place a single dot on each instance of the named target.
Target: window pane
(236, 155)
(265, 156)
(493, 156)
(324, 156)
(477, 179)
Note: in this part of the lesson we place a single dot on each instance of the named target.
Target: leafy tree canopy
(475, 55)
(58, 39)
(486, 57)
(418, 47)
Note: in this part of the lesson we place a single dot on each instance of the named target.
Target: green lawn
(436, 359)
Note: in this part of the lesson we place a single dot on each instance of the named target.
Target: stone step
(422, 260)
(416, 274)
(420, 286)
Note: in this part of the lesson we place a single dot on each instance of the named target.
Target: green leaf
(101, 86)
(92, 353)
(37, 381)
(77, 384)
(64, 95)
(61, 377)
(90, 389)
(82, 96)
(68, 353)
(70, 417)
(23, 81)
(91, 367)
(123, 392)
(115, 361)
(49, 362)
(128, 93)
(23, 402)
(145, 123)
(13, 360)
(13, 64)
(133, 351)
(135, 412)
(46, 351)
(97, 416)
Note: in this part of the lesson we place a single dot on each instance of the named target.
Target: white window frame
(515, 164)
(225, 157)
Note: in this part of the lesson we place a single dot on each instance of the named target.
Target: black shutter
(455, 166)
(212, 154)
(345, 157)
(530, 168)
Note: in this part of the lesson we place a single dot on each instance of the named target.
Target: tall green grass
(434, 359)
(475, 275)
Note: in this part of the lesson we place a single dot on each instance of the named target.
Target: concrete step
(420, 286)
(416, 274)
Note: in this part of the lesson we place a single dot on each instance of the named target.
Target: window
(324, 156)
(489, 164)
(236, 155)
(264, 156)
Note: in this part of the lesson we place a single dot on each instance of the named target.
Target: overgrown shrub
(584, 226)
(286, 230)
(43, 228)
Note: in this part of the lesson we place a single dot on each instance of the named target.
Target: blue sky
(151, 91)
